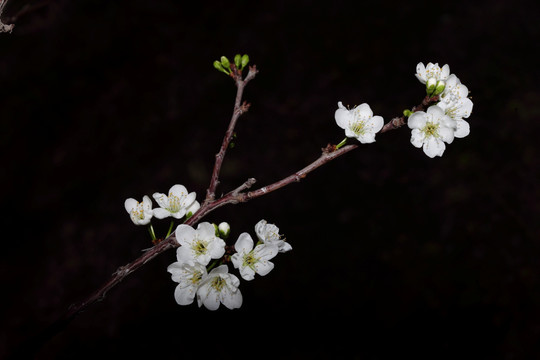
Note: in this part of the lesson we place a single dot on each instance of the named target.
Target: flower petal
(206, 231)
(434, 147)
(417, 138)
(161, 213)
(184, 234)
(178, 190)
(446, 134)
(342, 116)
(130, 203)
(462, 129)
(417, 120)
(244, 244)
(184, 295)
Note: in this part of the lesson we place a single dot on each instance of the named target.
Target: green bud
(407, 112)
(238, 60)
(439, 88)
(431, 84)
(224, 230)
(219, 67)
(225, 62)
(244, 61)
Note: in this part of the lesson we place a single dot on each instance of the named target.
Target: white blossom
(175, 203)
(219, 287)
(140, 212)
(456, 104)
(249, 260)
(269, 234)
(359, 122)
(432, 71)
(199, 245)
(188, 275)
(431, 129)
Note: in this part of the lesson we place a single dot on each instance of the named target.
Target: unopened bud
(407, 112)
(224, 230)
(439, 88)
(219, 67)
(431, 84)
(225, 62)
(244, 61)
(238, 61)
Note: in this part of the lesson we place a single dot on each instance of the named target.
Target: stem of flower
(152, 232)
(170, 229)
(343, 142)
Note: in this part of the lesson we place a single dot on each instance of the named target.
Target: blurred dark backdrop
(395, 254)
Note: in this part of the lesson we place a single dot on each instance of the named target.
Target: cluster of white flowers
(439, 124)
(176, 204)
(212, 286)
(444, 121)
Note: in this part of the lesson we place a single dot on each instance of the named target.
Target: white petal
(417, 138)
(364, 111)
(206, 230)
(178, 190)
(184, 254)
(208, 297)
(216, 248)
(236, 260)
(161, 213)
(184, 295)
(343, 117)
(264, 267)
(244, 243)
(375, 124)
(445, 72)
(463, 129)
(188, 199)
(366, 138)
(435, 111)
(129, 204)
(232, 300)
(446, 134)
(417, 120)
(184, 234)
(266, 251)
(247, 273)
(433, 147)
(421, 73)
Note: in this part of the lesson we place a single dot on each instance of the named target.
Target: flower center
(138, 211)
(431, 129)
(199, 247)
(174, 203)
(358, 127)
(197, 276)
(218, 283)
(250, 260)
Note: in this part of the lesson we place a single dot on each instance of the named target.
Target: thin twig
(239, 109)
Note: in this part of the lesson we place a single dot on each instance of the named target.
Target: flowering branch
(445, 105)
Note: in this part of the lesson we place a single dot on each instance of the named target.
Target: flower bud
(219, 67)
(224, 230)
(238, 60)
(244, 61)
(407, 112)
(439, 88)
(431, 84)
(225, 62)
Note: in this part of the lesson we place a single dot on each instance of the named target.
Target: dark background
(394, 254)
